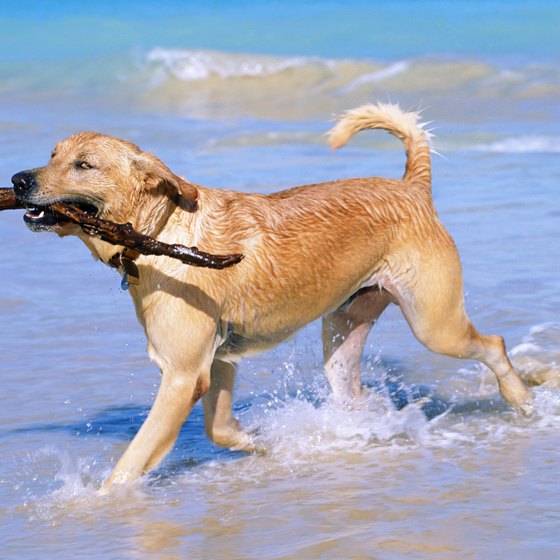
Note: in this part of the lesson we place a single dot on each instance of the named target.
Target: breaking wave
(523, 145)
(206, 84)
(213, 84)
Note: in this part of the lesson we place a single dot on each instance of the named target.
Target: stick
(8, 200)
(126, 235)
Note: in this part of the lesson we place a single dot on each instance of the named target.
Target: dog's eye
(83, 165)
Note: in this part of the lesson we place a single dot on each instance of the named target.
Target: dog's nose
(23, 182)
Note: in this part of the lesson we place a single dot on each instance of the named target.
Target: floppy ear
(157, 175)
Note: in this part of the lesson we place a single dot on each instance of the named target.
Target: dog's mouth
(44, 218)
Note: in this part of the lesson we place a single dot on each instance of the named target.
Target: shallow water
(456, 473)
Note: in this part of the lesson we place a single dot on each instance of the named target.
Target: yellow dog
(341, 250)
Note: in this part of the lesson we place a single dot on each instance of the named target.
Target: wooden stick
(126, 235)
(8, 200)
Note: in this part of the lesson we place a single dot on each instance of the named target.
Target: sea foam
(523, 145)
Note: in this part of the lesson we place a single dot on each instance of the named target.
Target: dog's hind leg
(221, 427)
(344, 335)
(430, 295)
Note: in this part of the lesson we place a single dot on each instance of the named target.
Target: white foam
(524, 348)
(379, 75)
(523, 144)
(298, 431)
(68, 487)
(303, 427)
(52, 495)
(542, 328)
(302, 437)
(191, 65)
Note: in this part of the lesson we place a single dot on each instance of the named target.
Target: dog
(341, 251)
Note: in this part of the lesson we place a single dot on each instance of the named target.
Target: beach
(239, 95)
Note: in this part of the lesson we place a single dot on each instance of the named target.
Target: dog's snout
(24, 182)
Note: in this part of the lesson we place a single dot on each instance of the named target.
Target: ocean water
(239, 95)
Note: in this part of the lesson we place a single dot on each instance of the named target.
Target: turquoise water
(385, 30)
(239, 95)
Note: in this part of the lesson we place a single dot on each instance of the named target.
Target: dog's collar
(124, 261)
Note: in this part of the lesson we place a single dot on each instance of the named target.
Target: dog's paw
(534, 372)
(526, 408)
(248, 442)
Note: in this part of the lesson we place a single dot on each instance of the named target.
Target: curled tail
(403, 125)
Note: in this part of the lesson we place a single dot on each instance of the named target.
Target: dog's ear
(156, 174)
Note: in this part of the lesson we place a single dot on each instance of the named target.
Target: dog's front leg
(175, 399)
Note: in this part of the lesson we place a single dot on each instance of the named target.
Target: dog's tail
(392, 118)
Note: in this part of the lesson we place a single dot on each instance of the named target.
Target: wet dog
(341, 250)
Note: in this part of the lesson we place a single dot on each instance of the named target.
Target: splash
(304, 430)
(59, 486)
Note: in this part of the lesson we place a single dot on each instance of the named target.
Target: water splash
(304, 430)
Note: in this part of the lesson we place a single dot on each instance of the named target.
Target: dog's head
(107, 177)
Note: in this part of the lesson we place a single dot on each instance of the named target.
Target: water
(239, 95)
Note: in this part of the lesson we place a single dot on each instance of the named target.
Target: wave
(213, 83)
(523, 145)
(378, 75)
(189, 65)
